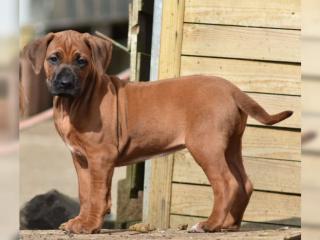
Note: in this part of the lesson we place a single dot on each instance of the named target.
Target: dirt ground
(278, 234)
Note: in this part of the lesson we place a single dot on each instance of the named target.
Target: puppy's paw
(197, 228)
(206, 226)
(80, 226)
(231, 228)
(65, 225)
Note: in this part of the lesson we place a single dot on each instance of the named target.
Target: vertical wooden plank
(160, 169)
(134, 31)
(171, 38)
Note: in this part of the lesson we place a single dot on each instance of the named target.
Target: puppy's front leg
(100, 170)
(81, 166)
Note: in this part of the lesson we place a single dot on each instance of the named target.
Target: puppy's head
(70, 60)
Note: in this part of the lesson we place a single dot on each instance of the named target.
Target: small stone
(142, 227)
(182, 227)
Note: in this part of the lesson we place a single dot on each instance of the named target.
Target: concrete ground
(46, 163)
(278, 234)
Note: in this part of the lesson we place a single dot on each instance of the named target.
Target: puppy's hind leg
(209, 153)
(235, 163)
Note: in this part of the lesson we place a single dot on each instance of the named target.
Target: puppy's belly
(143, 158)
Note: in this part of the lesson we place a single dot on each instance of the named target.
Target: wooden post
(158, 173)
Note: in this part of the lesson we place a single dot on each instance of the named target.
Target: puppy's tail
(253, 109)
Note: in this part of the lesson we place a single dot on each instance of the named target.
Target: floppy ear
(35, 51)
(101, 51)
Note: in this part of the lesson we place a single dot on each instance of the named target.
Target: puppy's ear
(35, 51)
(101, 51)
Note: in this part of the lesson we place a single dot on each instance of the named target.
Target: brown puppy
(107, 123)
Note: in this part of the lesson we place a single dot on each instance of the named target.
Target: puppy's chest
(69, 136)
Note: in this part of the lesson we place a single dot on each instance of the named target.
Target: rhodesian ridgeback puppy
(107, 123)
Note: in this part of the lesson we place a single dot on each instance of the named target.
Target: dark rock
(48, 211)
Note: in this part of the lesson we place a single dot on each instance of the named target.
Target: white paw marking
(196, 229)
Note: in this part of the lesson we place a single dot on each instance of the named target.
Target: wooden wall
(256, 45)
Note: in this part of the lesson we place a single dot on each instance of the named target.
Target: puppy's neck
(85, 104)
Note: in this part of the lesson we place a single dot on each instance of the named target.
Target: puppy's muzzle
(65, 83)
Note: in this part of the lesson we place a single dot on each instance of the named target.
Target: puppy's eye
(53, 59)
(82, 62)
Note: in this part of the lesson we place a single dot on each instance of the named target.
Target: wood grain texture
(193, 200)
(160, 176)
(241, 42)
(266, 174)
(160, 191)
(271, 143)
(254, 76)
(177, 220)
(258, 13)
(171, 38)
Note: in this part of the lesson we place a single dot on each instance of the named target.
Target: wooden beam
(193, 200)
(160, 170)
(266, 174)
(272, 143)
(241, 42)
(178, 220)
(253, 76)
(259, 13)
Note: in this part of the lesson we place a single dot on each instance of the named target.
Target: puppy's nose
(66, 83)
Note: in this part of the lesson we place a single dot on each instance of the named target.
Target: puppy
(107, 123)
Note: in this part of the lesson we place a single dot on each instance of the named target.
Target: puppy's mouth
(64, 92)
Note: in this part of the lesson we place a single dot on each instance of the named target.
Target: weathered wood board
(266, 174)
(177, 220)
(159, 174)
(271, 143)
(253, 76)
(194, 200)
(258, 13)
(241, 42)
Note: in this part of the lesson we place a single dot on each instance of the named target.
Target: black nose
(66, 83)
